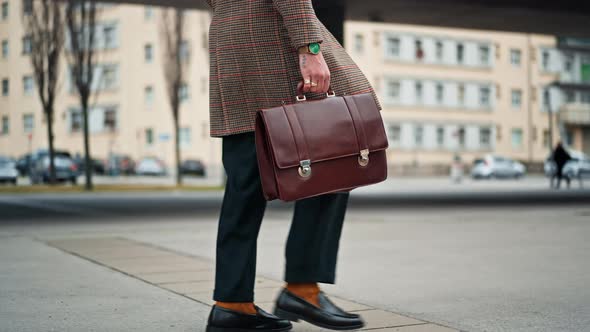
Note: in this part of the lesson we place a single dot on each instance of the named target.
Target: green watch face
(314, 48)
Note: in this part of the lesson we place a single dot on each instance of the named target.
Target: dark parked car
(23, 164)
(98, 166)
(120, 164)
(65, 168)
(192, 167)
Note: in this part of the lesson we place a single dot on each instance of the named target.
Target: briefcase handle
(301, 96)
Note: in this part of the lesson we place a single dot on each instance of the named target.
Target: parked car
(150, 166)
(497, 167)
(8, 171)
(23, 164)
(192, 167)
(120, 164)
(98, 166)
(65, 168)
(578, 166)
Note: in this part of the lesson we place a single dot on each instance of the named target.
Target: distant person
(560, 157)
(263, 53)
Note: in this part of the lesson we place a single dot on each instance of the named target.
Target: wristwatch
(311, 48)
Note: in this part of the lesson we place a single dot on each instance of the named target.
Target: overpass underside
(564, 18)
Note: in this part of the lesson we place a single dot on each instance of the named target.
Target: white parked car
(8, 171)
(150, 166)
(492, 166)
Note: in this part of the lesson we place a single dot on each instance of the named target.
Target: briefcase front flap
(327, 127)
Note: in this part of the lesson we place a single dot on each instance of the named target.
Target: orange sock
(307, 291)
(244, 307)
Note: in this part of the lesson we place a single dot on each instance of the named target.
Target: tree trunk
(177, 152)
(49, 119)
(88, 166)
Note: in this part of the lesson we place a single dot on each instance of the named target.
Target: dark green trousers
(312, 246)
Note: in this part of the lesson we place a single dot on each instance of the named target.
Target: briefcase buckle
(305, 168)
(364, 157)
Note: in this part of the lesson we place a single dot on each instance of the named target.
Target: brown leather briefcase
(311, 148)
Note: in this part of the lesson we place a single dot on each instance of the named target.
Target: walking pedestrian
(560, 157)
(261, 53)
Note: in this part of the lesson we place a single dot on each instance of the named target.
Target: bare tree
(176, 61)
(81, 23)
(44, 26)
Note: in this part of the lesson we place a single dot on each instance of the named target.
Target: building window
(460, 53)
(461, 94)
(109, 76)
(184, 51)
(109, 36)
(419, 50)
(515, 56)
(439, 51)
(461, 137)
(585, 97)
(28, 123)
(27, 7)
(5, 49)
(485, 137)
(204, 85)
(5, 87)
(516, 138)
(418, 135)
(546, 138)
(28, 85)
(570, 96)
(149, 95)
(394, 132)
(4, 10)
(419, 92)
(545, 60)
(359, 43)
(110, 119)
(148, 13)
(5, 125)
(440, 136)
(568, 64)
(440, 93)
(484, 96)
(393, 47)
(148, 53)
(484, 54)
(184, 137)
(516, 98)
(393, 92)
(183, 92)
(75, 121)
(149, 136)
(27, 45)
(546, 99)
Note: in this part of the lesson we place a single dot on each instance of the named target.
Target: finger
(307, 84)
(314, 86)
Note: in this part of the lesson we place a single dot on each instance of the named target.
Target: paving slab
(193, 278)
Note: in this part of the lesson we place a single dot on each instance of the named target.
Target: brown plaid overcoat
(254, 62)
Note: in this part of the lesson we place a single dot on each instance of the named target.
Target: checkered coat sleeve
(254, 62)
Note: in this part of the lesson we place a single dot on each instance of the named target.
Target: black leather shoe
(225, 320)
(328, 315)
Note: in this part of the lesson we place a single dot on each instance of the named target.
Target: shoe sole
(229, 329)
(295, 318)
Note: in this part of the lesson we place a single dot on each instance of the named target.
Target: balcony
(575, 114)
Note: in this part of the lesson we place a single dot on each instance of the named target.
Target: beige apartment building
(444, 91)
(452, 91)
(130, 113)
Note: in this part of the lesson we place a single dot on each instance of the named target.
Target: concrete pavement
(502, 268)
